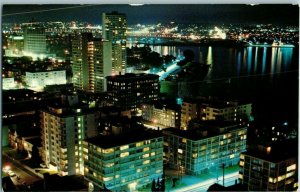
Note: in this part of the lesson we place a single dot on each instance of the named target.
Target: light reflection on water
(228, 62)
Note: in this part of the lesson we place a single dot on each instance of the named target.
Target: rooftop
(206, 130)
(109, 141)
(278, 151)
(128, 76)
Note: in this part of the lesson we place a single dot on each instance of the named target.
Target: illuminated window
(146, 162)
(291, 167)
(290, 174)
(242, 163)
(138, 170)
(124, 147)
(242, 156)
(146, 149)
(281, 178)
(139, 144)
(240, 176)
(124, 154)
(108, 150)
(195, 155)
(117, 176)
(153, 153)
(107, 178)
(158, 171)
(183, 140)
(180, 151)
(272, 180)
(146, 155)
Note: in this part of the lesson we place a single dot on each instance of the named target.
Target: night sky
(152, 14)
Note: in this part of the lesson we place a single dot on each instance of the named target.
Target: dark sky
(148, 14)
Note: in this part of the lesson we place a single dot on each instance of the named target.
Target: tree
(153, 187)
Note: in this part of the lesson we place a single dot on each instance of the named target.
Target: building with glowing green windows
(206, 147)
(124, 161)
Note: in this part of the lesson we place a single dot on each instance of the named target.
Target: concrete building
(207, 109)
(270, 168)
(129, 91)
(124, 160)
(205, 148)
(114, 27)
(64, 127)
(15, 45)
(40, 79)
(91, 62)
(8, 83)
(161, 114)
(34, 40)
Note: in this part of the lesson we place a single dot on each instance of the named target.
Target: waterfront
(265, 76)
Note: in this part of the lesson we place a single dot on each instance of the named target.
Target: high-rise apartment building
(129, 91)
(114, 26)
(64, 127)
(91, 62)
(205, 148)
(34, 39)
(270, 168)
(124, 161)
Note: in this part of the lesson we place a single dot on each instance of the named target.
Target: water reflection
(236, 61)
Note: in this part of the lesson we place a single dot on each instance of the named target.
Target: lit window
(291, 167)
(108, 150)
(146, 149)
(242, 163)
(195, 155)
(183, 140)
(240, 176)
(290, 174)
(242, 156)
(124, 147)
(146, 155)
(139, 144)
(153, 153)
(146, 162)
(180, 151)
(124, 154)
(272, 180)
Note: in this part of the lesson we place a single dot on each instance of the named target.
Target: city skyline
(280, 14)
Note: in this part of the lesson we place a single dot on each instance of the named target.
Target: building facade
(124, 162)
(63, 132)
(205, 109)
(161, 114)
(91, 62)
(129, 91)
(38, 80)
(196, 152)
(266, 169)
(34, 40)
(114, 27)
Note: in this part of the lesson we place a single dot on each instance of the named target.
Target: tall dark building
(130, 90)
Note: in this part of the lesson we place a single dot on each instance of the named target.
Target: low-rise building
(161, 114)
(38, 80)
(270, 168)
(206, 147)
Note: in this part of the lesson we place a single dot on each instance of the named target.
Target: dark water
(264, 76)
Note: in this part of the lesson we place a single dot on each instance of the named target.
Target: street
(21, 173)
